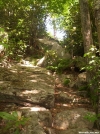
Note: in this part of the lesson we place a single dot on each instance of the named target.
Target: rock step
(72, 97)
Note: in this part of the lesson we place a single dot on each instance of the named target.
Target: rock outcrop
(33, 83)
(30, 91)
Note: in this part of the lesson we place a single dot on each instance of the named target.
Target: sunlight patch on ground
(65, 105)
(1, 82)
(14, 71)
(31, 92)
(34, 109)
(33, 81)
(38, 109)
(26, 63)
(48, 73)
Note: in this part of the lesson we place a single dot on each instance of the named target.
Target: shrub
(12, 122)
(66, 82)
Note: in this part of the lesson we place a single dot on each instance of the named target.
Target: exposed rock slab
(32, 83)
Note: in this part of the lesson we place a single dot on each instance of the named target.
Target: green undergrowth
(12, 122)
(66, 82)
(61, 65)
(91, 117)
(64, 64)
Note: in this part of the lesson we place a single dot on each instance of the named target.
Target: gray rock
(39, 118)
(70, 77)
(78, 82)
(81, 80)
(55, 47)
(42, 62)
(72, 119)
(33, 83)
(63, 97)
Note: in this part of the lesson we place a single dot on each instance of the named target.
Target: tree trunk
(86, 25)
(86, 30)
(97, 22)
(88, 42)
(97, 18)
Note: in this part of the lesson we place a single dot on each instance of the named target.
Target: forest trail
(33, 91)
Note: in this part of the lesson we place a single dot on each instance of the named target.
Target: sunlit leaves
(13, 121)
(91, 117)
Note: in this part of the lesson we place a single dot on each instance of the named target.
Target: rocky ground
(39, 96)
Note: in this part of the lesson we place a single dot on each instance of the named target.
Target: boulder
(63, 77)
(38, 119)
(72, 121)
(75, 81)
(55, 47)
(42, 62)
(81, 80)
(60, 51)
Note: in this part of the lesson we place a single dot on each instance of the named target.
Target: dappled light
(33, 80)
(49, 66)
(31, 92)
(34, 109)
(1, 82)
(38, 109)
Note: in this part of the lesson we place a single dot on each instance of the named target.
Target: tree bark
(88, 42)
(86, 31)
(86, 25)
(97, 22)
(97, 18)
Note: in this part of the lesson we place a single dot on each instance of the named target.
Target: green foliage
(66, 82)
(64, 64)
(24, 22)
(13, 121)
(71, 23)
(93, 70)
(94, 61)
(84, 88)
(3, 38)
(52, 68)
(72, 27)
(60, 65)
(52, 57)
(91, 117)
